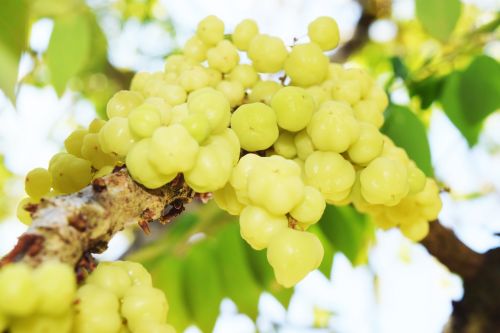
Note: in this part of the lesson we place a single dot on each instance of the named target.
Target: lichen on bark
(69, 227)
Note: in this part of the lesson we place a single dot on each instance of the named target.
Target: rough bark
(442, 243)
(479, 309)
(70, 227)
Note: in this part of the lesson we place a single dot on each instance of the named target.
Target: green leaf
(69, 49)
(14, 27)
(454, 109)
(203, 287)
(438, 17)
(223, 263)
(480, 89)
(469, 97)
(99, 46)
(55, 8)
(237, 278)
(265, 275)
(408, 132)
(326, 264)
(168, 276)
(399, 68)
(349, 232)
(182, 228)
(428, 90)
(177, 232)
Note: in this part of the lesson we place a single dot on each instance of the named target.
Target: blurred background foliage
(438, 58)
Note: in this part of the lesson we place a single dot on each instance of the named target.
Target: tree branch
(357, 41)
(479, 309)
(69, 227)
(442, 243)
(371, 10)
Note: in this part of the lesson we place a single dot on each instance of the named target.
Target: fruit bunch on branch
(274, 139)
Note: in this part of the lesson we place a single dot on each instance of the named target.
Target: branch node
(99, 185)
(28, 244)
(78, 221)
(176, 209)
(204, 197)
(85, 265)
(144, 225)
(31, 208)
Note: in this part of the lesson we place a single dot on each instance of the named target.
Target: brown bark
(357, 41)
(70, 227)
(445, 246)
(371, 11)
(479, 310)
